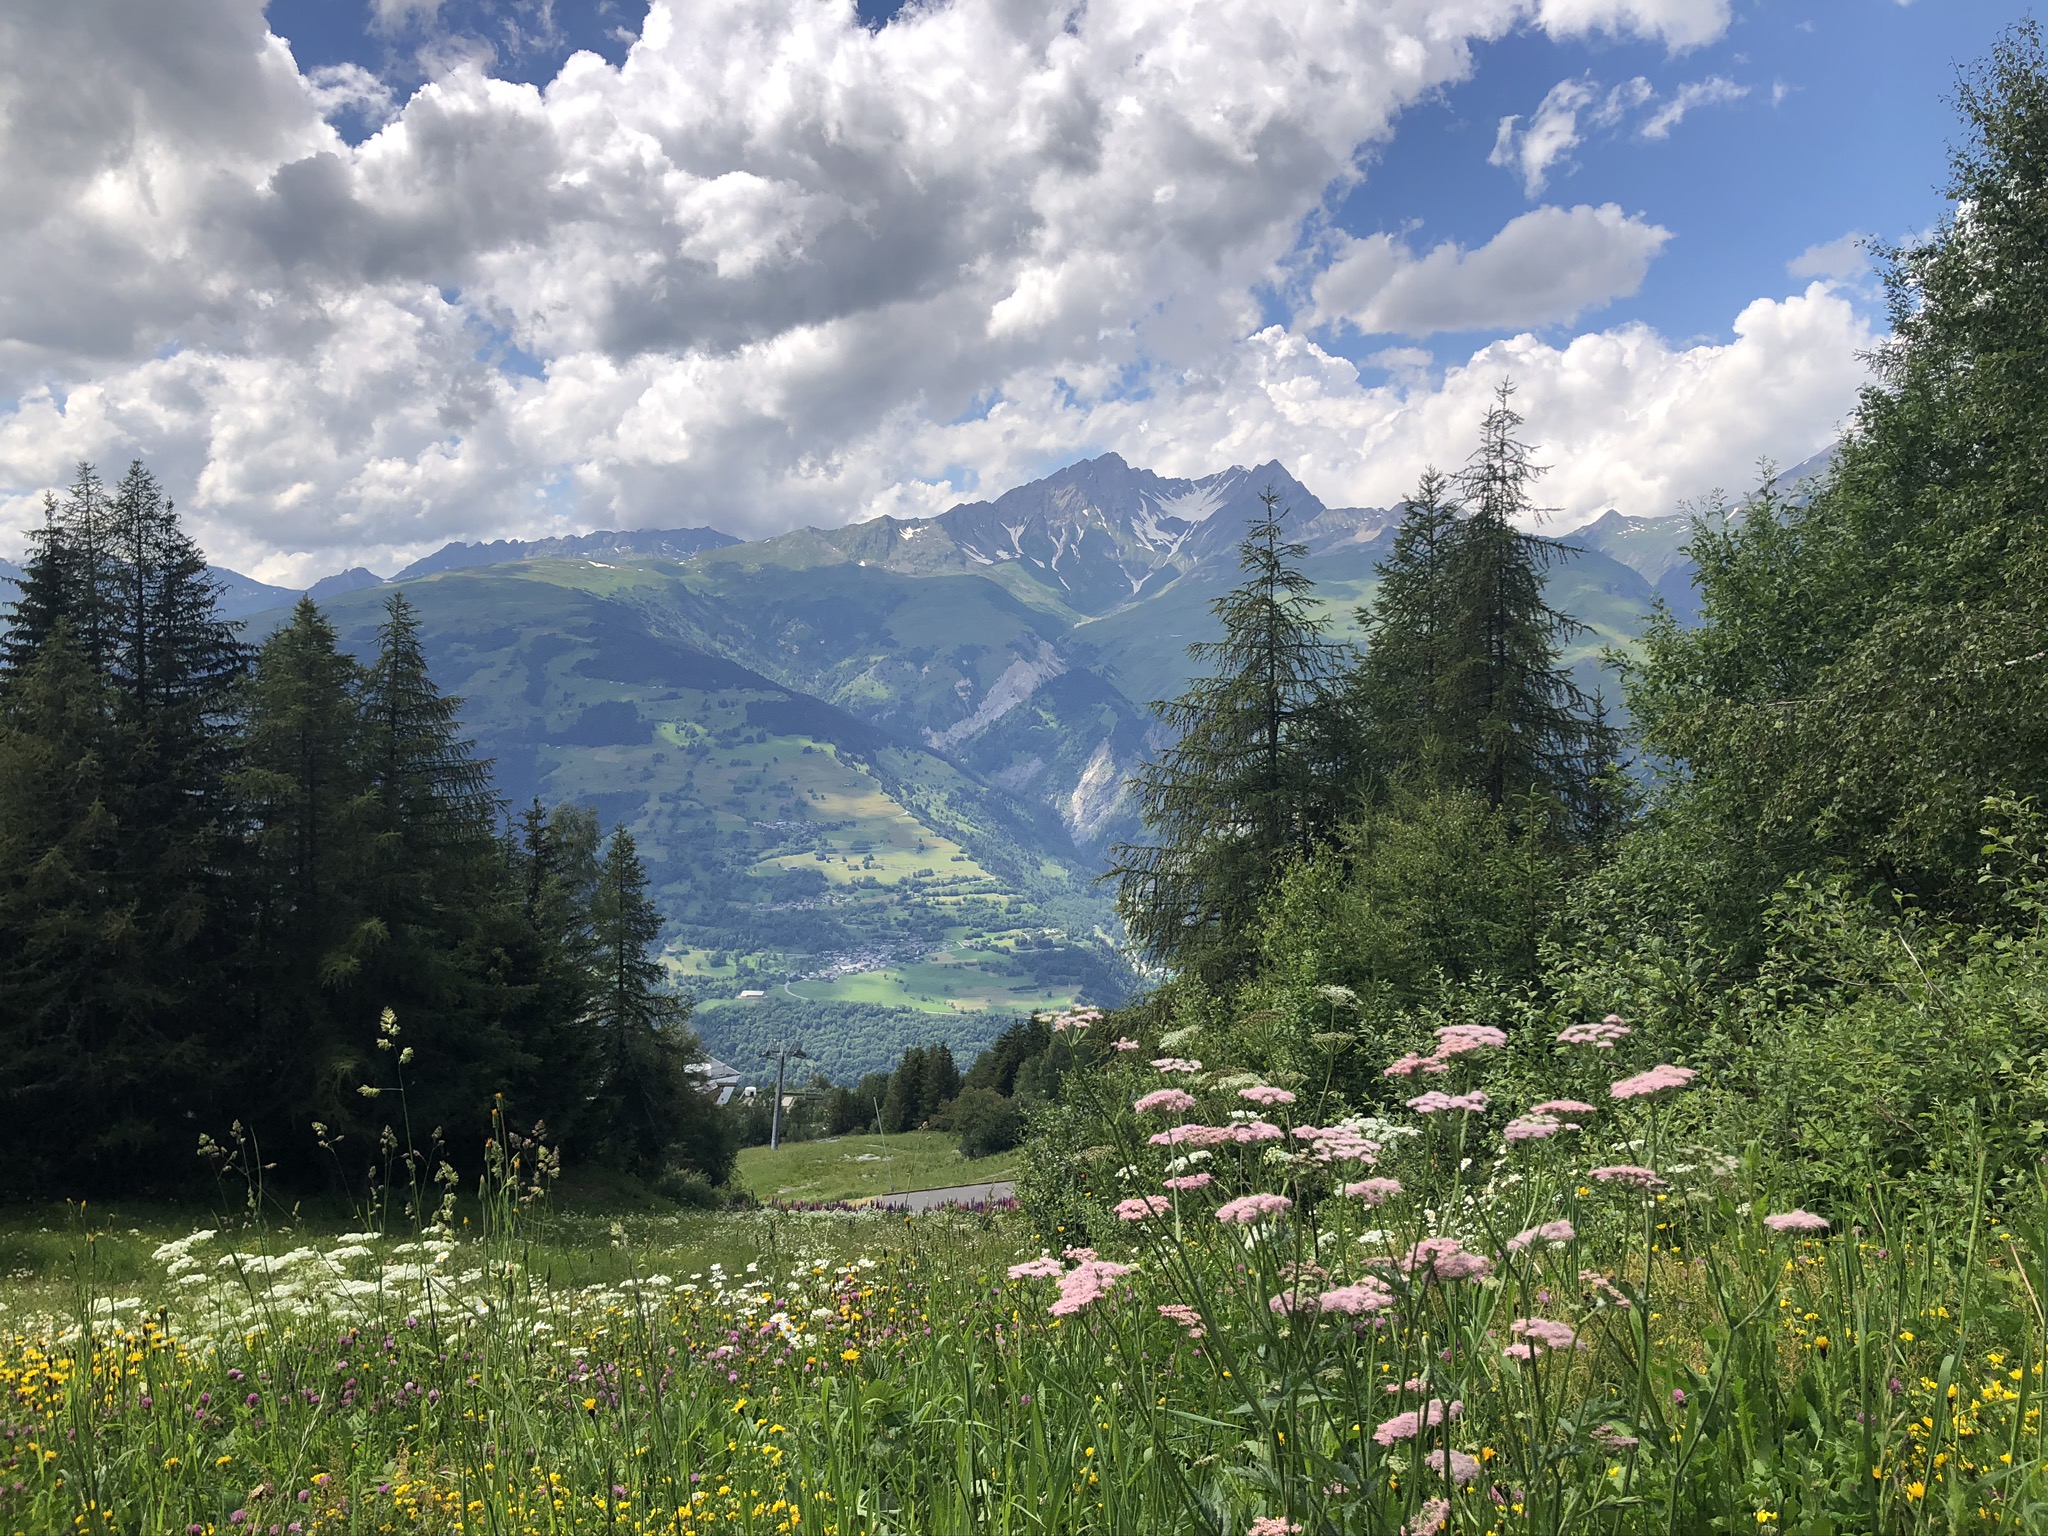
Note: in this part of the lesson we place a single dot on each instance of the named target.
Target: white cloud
(1548, 265)
(775, 268)
(1715, 90)
(1572, 109)
(1841, 259)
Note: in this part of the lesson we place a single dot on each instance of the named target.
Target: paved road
(957, 1194)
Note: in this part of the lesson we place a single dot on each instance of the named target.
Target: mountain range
(874, 769)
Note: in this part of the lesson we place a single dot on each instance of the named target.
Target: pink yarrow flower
(1656, 1080)
(1189, 1181)
(1406, 1426)
(1532, 1127)
(1434, 1102)
(1561, 1107)
(1463, 1468)
(1142, 1207)
(1045, 1267)
(1076, 1018)
(1374, 1191)
(1459, 1039)
(1365, 1296)
(1271, 1525)
(1338, 1144)
(1123, 1045)
(1252, 1131)
(1247, 1209)
(1186, 1316)
(1262, 1094)
(1429, 1519)
(1629, 1173)
(1410, 1064)
(1192, 1136)
(1175, 1064)
(1549, 1232)
(1086, 1283)
(1173, 1100)
(1542, 1331)
(1796, 1221)
(1446, 1258)
(1079, 1253)
(1601, 1036)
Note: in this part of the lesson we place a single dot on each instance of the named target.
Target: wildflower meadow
(1474, 1316)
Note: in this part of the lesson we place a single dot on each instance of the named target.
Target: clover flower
(1656, 1080)
(1173, 1099)
(1247, 1209)
(1796, 1221)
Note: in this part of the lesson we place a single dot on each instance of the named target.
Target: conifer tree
(1248, 784)
(1399, 693)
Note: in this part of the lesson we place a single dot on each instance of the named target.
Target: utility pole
(783, 1054)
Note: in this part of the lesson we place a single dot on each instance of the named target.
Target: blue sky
(362, 275)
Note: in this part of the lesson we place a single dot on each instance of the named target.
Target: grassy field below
(852, 1167)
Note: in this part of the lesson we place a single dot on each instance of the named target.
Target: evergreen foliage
(216, 874)
(1247, 784)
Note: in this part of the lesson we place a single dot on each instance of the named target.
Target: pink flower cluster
(1173, 1099)
(1142, 1207)
(1262, 1094)
(1365, 1296)
(1601, 1036)
(1175, 1064)
(1086, 1283)
(1656, 1080)
(1188, 1181)
(1796, 1221)
(1250, 1132)
(1434, 1102)
(1629, 1173)
(1045, 1267)
(1463, 1468)
(1544, 1333)
(1271, 1525)
(1338, 1144)
(1076, 1018)
(1532, 1127)
(1452, 1040)
(1192, 1136)
(1429, 1519)
(1180, 1312)
(1406, 1426)
(1447, 1259)
(1549, 1232)
(1593, 1280)
(1246, 1209)
(1123, 1045)
(1374, 1191)
(1561, 1107)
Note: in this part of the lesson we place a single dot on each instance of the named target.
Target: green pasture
(855, 1167)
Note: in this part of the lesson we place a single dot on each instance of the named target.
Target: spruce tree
(1247, 784)
(1399, 694)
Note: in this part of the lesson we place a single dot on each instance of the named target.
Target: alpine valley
(873, 769)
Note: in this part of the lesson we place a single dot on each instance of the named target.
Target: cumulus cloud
(1715, 90)
(1548, 265)
(1841, 259)
(774, 268)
